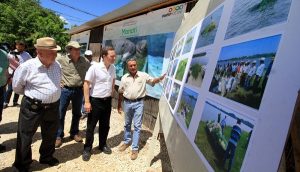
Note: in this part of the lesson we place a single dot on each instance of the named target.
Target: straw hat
(46, 43)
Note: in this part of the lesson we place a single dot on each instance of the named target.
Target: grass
(209, 28)
(196, 70)
(246, 97)
(214, 158)
(181, 70)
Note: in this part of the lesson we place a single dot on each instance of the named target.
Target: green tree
(27, 20)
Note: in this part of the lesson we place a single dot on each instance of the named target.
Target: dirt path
(152, 156)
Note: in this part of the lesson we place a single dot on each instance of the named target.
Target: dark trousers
(101, 110)
(229, 154)
(9, 93)
(2, 91)
(30, 117)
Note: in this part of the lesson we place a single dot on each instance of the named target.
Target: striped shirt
(235, 134)
(34, 80)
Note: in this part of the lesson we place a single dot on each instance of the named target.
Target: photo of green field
(189, 41)
(217, 130)
(181, 69)
(186, 106)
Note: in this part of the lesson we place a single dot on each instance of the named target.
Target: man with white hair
(38, 80)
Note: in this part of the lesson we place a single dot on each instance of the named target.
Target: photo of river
(251, 15)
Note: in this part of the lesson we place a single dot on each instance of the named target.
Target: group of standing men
(49, 84)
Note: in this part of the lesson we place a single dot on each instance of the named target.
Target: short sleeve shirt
(135, 87)
(101, 80)
(3, 67)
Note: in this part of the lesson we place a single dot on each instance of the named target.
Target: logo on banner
(130, 31)
(174, 10)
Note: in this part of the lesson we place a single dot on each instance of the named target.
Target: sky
(259, 46)
(74, 17)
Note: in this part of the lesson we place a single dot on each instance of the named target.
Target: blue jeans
(229, 154)
(8, 94)
(133, 111)
(75, 95)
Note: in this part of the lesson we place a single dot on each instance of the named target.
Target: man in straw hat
(74, 68)
(38, 80)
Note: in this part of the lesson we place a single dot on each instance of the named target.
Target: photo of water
(189, 41)
(209, 28)
(251, 15)
(149, 51)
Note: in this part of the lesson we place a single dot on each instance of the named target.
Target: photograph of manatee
(174, 95)
(251, 15)
(209, 28)
(189, 41)
(186, 106)
(223, 136)
(181, 69)
(243, 69)
(149, 52)
(197, 69)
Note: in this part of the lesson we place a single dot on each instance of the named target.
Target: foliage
(209, 28)
(181, 69)
(196, 69)
(27, 20)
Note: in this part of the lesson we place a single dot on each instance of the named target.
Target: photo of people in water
(223, 137)
(251, 15)
(243, 70)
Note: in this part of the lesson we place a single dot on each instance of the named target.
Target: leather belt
(36, 103)
(103, 99)
(133, 100)
(72, 88)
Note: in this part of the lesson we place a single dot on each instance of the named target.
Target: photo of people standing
(243, 70)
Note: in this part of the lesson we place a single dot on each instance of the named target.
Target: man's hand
(119, 108)
(88, 107)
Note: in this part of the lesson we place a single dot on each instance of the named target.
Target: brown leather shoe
(134, 154)
(58, 142)
(123, 147)
(76, 137)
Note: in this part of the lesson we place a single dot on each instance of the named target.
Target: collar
(136, 75)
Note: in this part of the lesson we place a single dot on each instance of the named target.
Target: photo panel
(223, 137)
(181, 69)
(168, 88)
(186, 106)
(189, 41)
(174, 95)
(174, 66)
(209, 28)
(251, 15)
(243, 70)
(197, 69)
(179, 47)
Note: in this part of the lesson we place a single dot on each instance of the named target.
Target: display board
(148, 38)
(231, 85)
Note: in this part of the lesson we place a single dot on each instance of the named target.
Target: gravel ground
(152, 155)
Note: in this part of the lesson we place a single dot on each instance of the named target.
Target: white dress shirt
(22, 57)
(101, 79)
(34, 80)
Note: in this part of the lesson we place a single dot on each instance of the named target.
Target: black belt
(36, 103)
(133, 100)
(72, 88)
(103, 99)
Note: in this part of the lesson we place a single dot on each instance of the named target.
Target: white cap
(88, 53)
